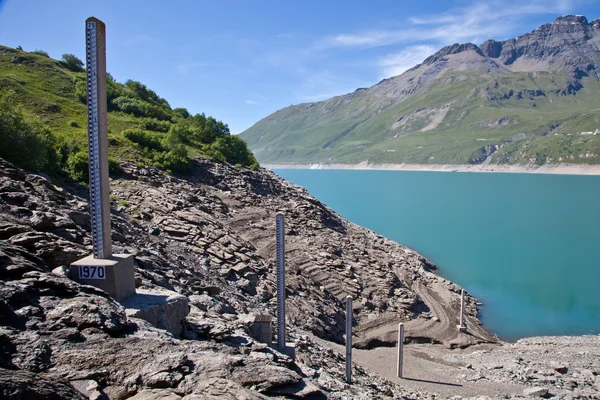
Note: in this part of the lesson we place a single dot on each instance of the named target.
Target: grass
(46, 90)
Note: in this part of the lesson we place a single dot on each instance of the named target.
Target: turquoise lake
(526, 245)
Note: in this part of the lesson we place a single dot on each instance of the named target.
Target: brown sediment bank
(557, 169)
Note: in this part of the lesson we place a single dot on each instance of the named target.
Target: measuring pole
(349, 339)
(280, 282)
(98, 136)
(400, 357)
(461, 326)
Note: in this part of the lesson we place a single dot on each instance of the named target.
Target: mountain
(523, 100)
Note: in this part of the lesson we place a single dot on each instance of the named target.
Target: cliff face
(570, 43)
(209, 238)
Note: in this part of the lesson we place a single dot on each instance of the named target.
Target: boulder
(535, 392)
(163, 308)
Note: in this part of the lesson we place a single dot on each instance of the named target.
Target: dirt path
(424, 369)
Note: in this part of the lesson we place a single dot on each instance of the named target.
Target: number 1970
(92, 272)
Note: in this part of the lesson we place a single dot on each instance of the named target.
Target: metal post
(400, 349)
(280, 282)
(98, 136)
(349, 339)
(461, 326)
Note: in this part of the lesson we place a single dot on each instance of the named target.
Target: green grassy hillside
(459, 117)
(43, 121)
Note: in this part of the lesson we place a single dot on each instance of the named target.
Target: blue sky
(239, 61)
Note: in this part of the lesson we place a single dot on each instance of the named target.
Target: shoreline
(552, 169)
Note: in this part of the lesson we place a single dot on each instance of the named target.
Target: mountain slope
(515, 101)
(40, 96)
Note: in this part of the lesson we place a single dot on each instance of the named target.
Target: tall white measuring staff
(112, 273)
(280, 238)
(95, 35)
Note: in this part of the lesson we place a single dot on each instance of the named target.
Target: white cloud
(478, 21)
(424, 34)
(396, 63)
(250, 101)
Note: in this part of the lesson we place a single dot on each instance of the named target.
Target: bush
(176, 160)
(26, 141)
(232, 149)
(153, 124)
(140, 108)
(144, 139)
(41, 53)
(181, 113)
(78, 166)
(73, 124)
(72, 63)
(113, 166)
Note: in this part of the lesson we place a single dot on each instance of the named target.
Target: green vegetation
(19, 131)
(43, 120)
(450, 121)
(72, 63)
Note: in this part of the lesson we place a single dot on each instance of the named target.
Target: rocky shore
(554, 169)
(206, 244)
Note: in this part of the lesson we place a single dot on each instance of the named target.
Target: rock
(222, 389)
(558, 367)
(155, 395)
(162, 308)
(62, 271)
(28, 385)
(89, 388)
(535, 392)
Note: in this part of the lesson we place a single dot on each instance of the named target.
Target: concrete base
(114, 275)
(262, 329)
(461, 328)
(290, 349)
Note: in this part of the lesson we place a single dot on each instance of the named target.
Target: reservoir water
(526, 245)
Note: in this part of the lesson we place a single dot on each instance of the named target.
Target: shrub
(176, 160)
(233, 149)
(113, 166)
(25, 140)
(78, 166)
(41, 53)
(140, 108)
(141, 92)
(72, 63)
(181, 113)
(144, 139)
(73, 124)
(81, 89)
(153, 124)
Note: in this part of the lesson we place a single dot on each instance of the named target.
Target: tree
(72, 63)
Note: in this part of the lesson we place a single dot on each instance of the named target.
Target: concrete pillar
(400, 349)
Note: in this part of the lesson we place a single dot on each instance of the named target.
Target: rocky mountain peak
(455, 48)
(576, 19)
